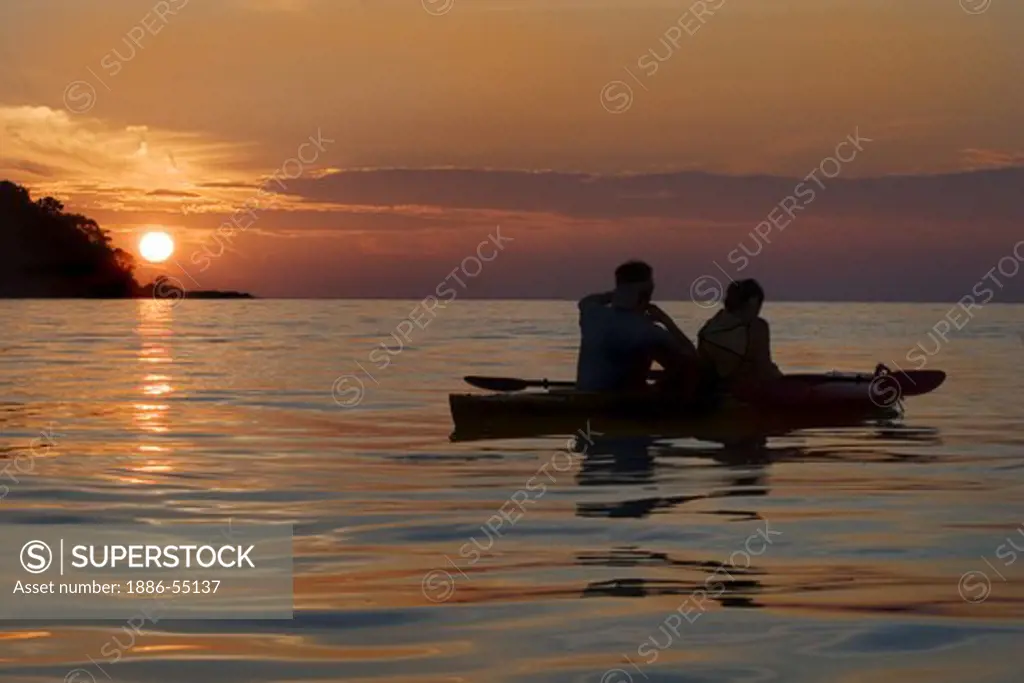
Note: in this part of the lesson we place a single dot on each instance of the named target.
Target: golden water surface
(880, 552)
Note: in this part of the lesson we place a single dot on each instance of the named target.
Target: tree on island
(47, 252)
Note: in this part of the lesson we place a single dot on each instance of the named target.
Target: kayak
(845, 390)
(792, 402)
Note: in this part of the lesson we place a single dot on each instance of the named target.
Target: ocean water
(872, 553)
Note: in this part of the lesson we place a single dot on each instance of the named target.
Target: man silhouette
(622, 333)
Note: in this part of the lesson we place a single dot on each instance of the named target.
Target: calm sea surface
(875, 553)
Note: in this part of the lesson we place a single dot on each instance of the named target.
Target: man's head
(634, 285)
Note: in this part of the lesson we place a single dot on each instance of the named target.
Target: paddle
(513, 383)
(517, 384)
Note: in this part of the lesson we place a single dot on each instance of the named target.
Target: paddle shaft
(518, 384)
(511, 384)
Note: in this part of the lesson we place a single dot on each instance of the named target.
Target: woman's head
(744, 298)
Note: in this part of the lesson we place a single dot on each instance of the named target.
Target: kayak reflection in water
(736, 341)
(623, 333)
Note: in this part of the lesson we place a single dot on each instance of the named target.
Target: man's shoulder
(593, 301)
(590, 309)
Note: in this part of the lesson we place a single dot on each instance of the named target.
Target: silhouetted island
(171, 288)
(46, 252)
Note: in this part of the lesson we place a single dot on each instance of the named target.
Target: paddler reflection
(653, 463)
(640, 460)
(649, 461)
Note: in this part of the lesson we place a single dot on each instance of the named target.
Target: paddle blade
(497, 383)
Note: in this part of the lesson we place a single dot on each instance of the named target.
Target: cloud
(172, 193)
(975, 159)
(78, 154)
(101, 165)
(671, 197)
(889, 237)
(916, 235)
(290, 6)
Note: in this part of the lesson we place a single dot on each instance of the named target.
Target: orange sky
(181, 127)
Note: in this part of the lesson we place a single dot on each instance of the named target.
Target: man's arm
(679, 337)
(599, 299)
(676, 353)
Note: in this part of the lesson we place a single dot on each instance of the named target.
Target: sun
(156, 247)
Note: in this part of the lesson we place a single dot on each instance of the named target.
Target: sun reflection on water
(151, 413)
